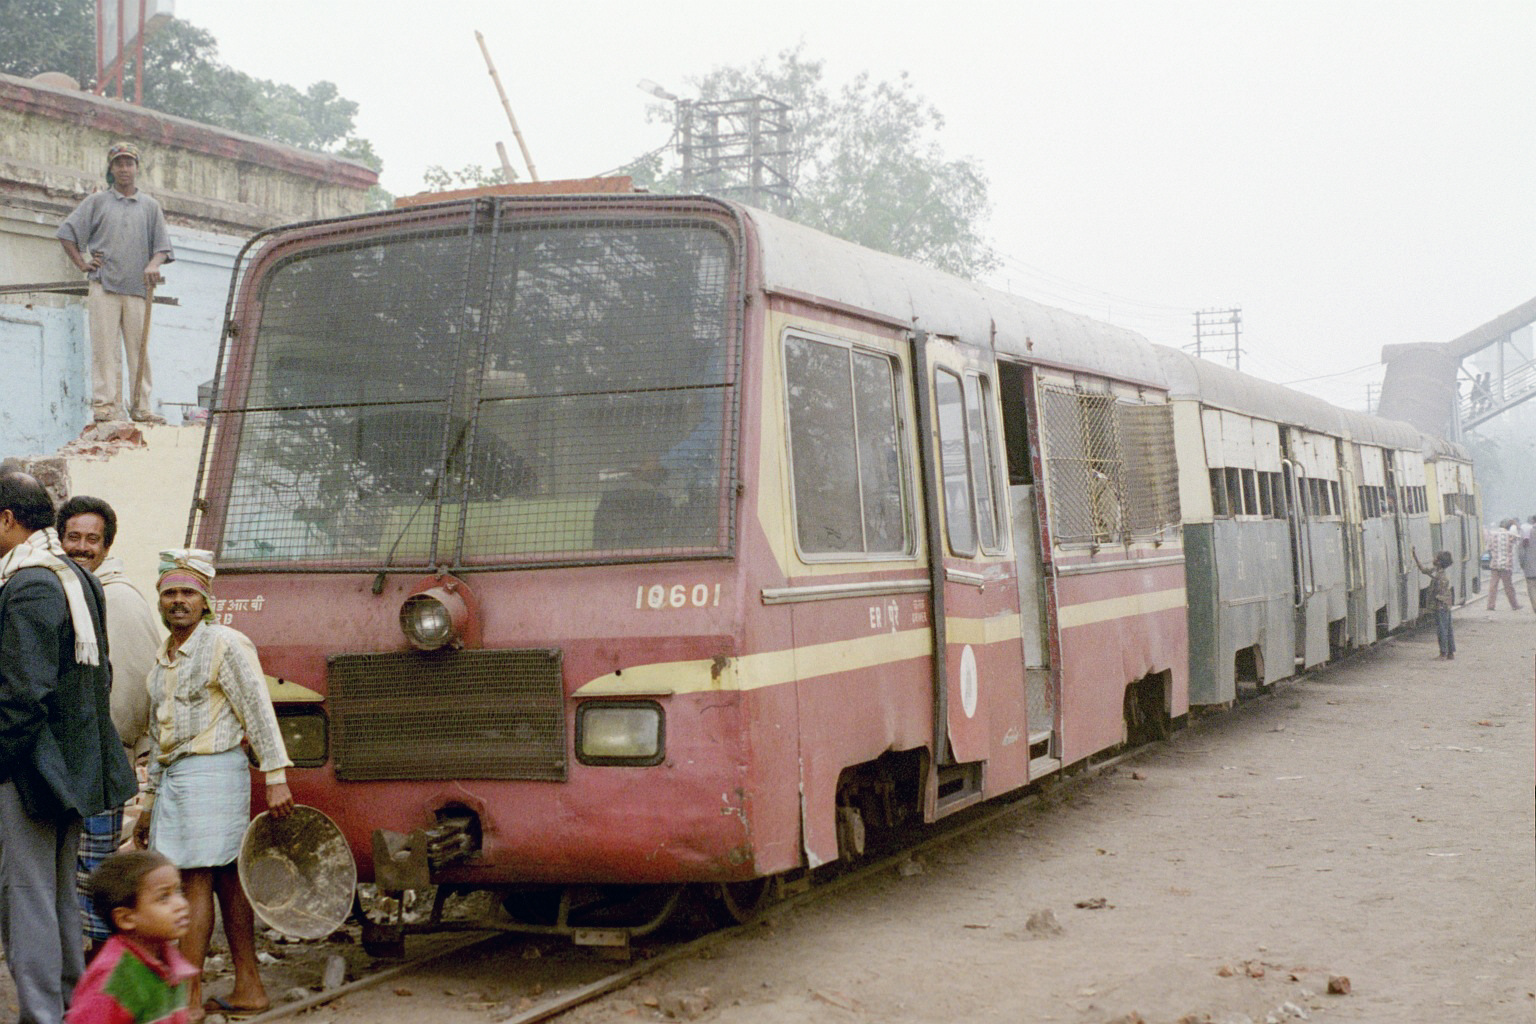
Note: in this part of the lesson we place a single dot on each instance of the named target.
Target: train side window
(1266, 496)
(1338, 504)
(1250, 493)
(1219, 504)
(845, 450)
(1011, 384)
(954, 473)
(1235, 491)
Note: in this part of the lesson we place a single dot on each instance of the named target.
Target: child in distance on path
(139, 976)
(1440, 598)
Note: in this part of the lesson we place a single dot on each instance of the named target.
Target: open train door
(979, 706)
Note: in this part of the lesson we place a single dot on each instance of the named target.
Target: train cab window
(845, 449)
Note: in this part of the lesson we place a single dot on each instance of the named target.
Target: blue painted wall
(45, 384)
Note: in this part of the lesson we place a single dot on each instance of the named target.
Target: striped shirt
(208, 695)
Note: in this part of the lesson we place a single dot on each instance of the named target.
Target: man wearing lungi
(208, 693)
(87, 528)
(60, 758)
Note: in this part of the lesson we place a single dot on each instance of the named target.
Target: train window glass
(1219, 493)
(1365, 503)
(1266, 496)
(1314, 505)
(487, 397)
(954, 470)
(981, 435)
(1235, 491)
(1332, 487)
(882, 492)
(845, 449)
(1250, 493)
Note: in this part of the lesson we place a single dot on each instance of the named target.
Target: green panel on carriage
(1200, 583)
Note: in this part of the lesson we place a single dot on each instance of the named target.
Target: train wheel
(743, 901)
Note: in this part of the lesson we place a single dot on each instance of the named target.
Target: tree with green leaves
(864, 163)
(183, 76)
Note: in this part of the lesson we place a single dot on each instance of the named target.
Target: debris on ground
(1043, 923)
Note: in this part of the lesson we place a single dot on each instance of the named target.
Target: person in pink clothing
(139, 977)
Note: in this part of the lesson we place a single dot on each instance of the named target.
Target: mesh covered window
(1151, 467)
(845, 449)
(1083, 465)
(498, 391)
(1113, 473)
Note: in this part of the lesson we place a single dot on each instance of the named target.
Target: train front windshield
(498, 393)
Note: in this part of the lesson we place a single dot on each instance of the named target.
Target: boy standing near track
(1440, 598)
(139, 977)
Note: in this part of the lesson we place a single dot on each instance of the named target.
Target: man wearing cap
(60, 758)
(118, 238)
(207, 692)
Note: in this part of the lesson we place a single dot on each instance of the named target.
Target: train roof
(1224, 388)
(802, 261)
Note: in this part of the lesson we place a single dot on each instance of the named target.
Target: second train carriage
(658, 540)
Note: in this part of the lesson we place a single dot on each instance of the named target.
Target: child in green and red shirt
(139, 976)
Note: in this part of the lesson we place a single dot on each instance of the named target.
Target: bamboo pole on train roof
(533, 174)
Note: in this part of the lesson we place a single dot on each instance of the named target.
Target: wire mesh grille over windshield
(481, 389)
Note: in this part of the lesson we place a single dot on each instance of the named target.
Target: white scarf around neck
(42, 550)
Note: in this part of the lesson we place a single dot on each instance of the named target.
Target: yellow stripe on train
(1091, 612)
(773, 668)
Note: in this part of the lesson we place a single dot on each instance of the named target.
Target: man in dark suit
(60, 758)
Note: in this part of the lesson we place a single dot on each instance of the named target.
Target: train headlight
(619, 733)
(433, 618)
(304, 735)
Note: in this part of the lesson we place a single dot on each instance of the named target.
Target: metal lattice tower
(1218, 323)
(738, 149)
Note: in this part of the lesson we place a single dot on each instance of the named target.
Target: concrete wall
(217, 189)
(150, 488)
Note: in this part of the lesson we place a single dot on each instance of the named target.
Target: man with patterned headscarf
(119, 240)
(207, 693)
(60, 757)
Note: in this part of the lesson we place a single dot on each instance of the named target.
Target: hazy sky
(1351, 174)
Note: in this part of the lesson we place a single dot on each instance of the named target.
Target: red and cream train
(602, 542)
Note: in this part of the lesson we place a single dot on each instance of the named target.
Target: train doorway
(979, 701)
(1021, 440)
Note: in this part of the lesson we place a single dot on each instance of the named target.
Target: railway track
(652, 957)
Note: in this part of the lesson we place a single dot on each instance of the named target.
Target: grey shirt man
(126, 231)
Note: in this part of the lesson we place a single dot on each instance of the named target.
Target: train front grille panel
(448, 715)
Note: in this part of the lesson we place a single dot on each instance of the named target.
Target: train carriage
(631, 540)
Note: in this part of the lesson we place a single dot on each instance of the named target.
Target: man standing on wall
(118, 238)
(87, 528)
(60, 757)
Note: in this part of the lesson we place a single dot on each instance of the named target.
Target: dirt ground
(1373, 822)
